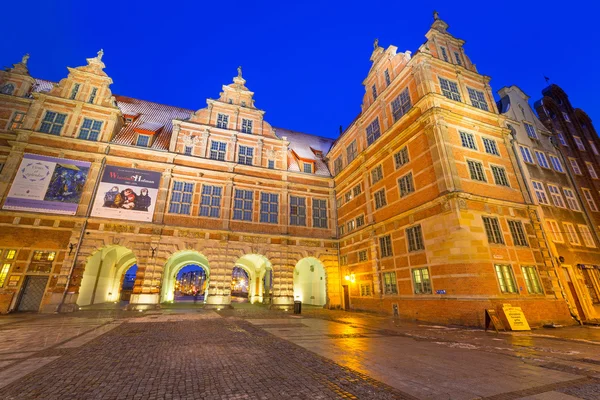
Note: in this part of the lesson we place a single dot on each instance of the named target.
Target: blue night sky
(305, 61)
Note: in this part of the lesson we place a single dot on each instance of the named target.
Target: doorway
(33, 292)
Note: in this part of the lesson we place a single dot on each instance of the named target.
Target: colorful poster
(126, 193)
(47, 184)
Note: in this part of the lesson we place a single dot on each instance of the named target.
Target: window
(444, 54)
(556, 196)
(554, 230)
(389, 283)
(385, 244)
(468, 140)
(421, 281)
(518, 233)
(8, 88)
(588, 272)
(1, 167)
(540, 192)
(217, 150)
(365, 289)
(341, 230)
(222, 120)
(530, 130)
(493, 231)
(181, 198)
(532, 280)
(319, 212)
(386, 74)
(93, 95)
(401, 105)
(566, 117)
(307, 168)
(5, 257)
(351, 225)
(74, 91)
(588, 240)
(542, 160)
(297, 211)
(245, 155)
(590, 199)
(478, 99)
(575, 166)
(271, 164)
(243, 103)
(143, 141)
(579, 143)
(90, 129)
(53, 123)
(373, 131)
(246, 125)
(457, 58)
(591, 170)
(338, 202)
(476, 171)
(561, 139)
(380, 199)
(17, 120)
(374, 91)
(344, 260)
(414, 238)
(360, 221)
(243, 205)
(490, 146)
(450, 89)
(571, 233)
(356, 190)
(571, 200)
(337, 165)
(500, 177)
(188, 150)
(269, 207)
(363, 256)
(506, 278)
(210, 203)
(594, 148)
(401, 157)
(556, 164)
(348, 196)
(4, 273)
(376, 174)
(351, 151)
(526, 154)
(406, 185)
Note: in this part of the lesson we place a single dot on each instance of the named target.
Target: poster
(47, 184)
(126, 193)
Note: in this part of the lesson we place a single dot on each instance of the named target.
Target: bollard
(297, 307)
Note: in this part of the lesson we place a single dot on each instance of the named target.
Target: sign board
(47, 184)
(126, 193)
(492, 317)
(515, 317)
(441, 291)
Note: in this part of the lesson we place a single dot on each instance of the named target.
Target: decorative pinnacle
(376, 44)
(25, 58)
(239, 71)
(100, 54)
(436, 15)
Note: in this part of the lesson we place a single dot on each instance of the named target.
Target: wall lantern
(350, 278)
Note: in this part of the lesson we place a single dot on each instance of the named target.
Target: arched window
(8, 88)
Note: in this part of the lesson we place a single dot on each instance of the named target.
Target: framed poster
(126, 193)
(47, 184)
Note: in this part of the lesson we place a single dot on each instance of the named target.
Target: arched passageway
(256, 267)
(240, 282)
(190, 283)
(310, 285)
(128, 282)
(176, 263)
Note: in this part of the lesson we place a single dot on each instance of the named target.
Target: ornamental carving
(189, 234)
(310, 243)
(119, 228)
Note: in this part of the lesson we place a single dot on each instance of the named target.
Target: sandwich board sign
(515, 317)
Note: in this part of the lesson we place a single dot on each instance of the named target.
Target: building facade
(422, 207)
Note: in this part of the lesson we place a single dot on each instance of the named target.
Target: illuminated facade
(425, 210)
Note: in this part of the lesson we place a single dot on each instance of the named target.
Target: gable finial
(239, 71)
(376, 44)
(25, 58)
(436, 15)
(100, 54)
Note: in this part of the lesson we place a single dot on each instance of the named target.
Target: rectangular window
(17, 120)
(444, 54)
(344, 260)
(380, 199)
(540, 192)
(351, 151)
(530, 130)
(518, 233)
(478, 99)
(360, 221)
(4, 273)
(385, 245)
(363, 256)
(341, 230)
(590, 199)
(555, 232)
(401, 157)
(561, 139)
(356, 190)
(571, 200)
(307, 168)
(351, 225)
(532, 280)
(591, 170)
(246, 125)
(297, 211)
(421, 280)
(406, 185)
(594, 148)
(571, 233)
(526, 154)
(337, 165)
(575, 166)
(588, 272)
(542, 160)
(450, 89)
(222, 120)
(566, 117)
(476, 171)
(401, 104)
(414, 238)
(188, 150)
(373, 131)
(74, 91)
(556, 196)
(492, 230)
(53, 123)
(243, 202)
(506, 279)
(457, 57)
(500, 177)
(374, 91)
(93, 95)
(347, 196)
(468, 140)
(181, 198)
(365, 289)
(269, 208)
(245, 155)
(90, 129)
(490, 146)
(556, 164)
(588, 240)
(210, 204)
(386, 74)
(579, 143)
(217, 150)
(319, 212)
(389, 283)
(376, 174)
(143, 141)
(271, 164)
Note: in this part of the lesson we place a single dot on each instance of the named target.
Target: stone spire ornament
(100, 54)
(436, 15)
(239, 71)
(375, 44)
(25, 59)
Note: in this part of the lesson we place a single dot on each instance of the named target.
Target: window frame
(217, 150)
(449, 92)
(181, 197)
(401, 157)
(406, 185)
(298, 210)
(222, 120)
(500, 176)
(421, 282)
(556, 195)
(385, 246)
(532, 280)
(517, 231)
(540, 192)
(493, 230)
(209, 195)
(476, 171)
(414, 238)
(380, 199)
(269, 208)
(48, 126)
(319, 213)
(390, 283)
(505, 276)
(243, 205)
(477, 98)
(490, 146)
(467, 140)
(92, 130)
(245, 155)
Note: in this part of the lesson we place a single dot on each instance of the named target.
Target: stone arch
(310, 281)
(101, 281)
(256, 266)
(172, 267)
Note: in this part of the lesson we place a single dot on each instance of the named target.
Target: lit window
(401, 105)
(385, 245)
(542, 160)
(380, 199)
(590, 199)
(478, 99)
(351, 151)
(217, 150)
(245, 155)
(506, 278)
(571, 200)
(518, 233)
(530, 130)
(588, 239)
(389, 283)
(246, 125)
(468, 140)
(444, 54)
(556, 164)
(579, 143)
(17, 120)
(492, 230)
(401, 157)
(143, 141)
(450, 89)
(386, 74)
(406, 185)
(490, 146)
(93, 95)
(571, 233)
(554, 230)
(421, 281)
(319, 213)
(4, 273)
(269, 208)
(10, 254)
(575, 166)
(373, 131)
(556, 196)
(414, 237)
(210, 203)
(591, 170)
(53, 123)
(376, 174)
(540, 192)
(297, 211)
(365, 289)
(90, 129)
(74, 91)
(222, 120)
(243, 205)
(476, 171)
(532, 280)
(181, 198)
(526, 154)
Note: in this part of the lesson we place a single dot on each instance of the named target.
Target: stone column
(10, 168)
(232, 149)
(145, 294)
(283, 275)
(65, 287)
(219, 289)
(227, 203)
(163, 194)
(259, 152)
(85, 204)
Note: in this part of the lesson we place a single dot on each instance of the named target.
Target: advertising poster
(47, 184)
(126, 193)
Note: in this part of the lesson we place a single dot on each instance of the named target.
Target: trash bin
(297, 307)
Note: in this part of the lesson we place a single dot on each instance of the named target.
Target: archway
(174, 265)
(256, 266)
(127, 283)
(240, 283)
(190, 284)
(310, 286)
(101, 282)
